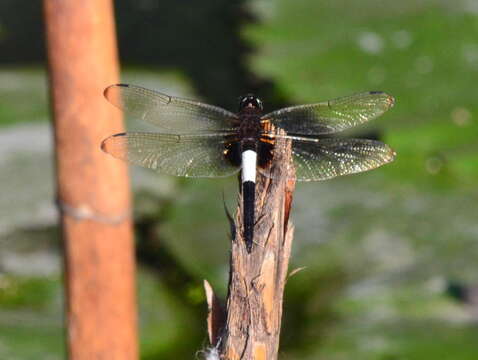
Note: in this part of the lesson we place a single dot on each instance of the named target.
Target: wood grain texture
(215, 315)
(92, 189)
(257, 280)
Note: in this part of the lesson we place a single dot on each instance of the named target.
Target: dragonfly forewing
(331, 116)
(169, 112)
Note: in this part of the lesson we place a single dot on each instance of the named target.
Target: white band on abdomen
(249, 158)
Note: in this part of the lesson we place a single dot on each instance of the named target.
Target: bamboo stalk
(254, 304)
(92, 189)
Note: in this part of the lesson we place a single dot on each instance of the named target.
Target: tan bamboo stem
(93, 189)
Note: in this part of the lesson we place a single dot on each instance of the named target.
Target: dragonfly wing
(322, 159)
(169, 112)
(331, 116)
(179, 155)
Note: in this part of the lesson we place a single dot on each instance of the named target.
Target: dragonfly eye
(251, 101)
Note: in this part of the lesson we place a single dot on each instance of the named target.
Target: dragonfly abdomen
(249, 163)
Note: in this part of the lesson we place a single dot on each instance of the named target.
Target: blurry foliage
(168, 324)
(170, 34)
(23, 94)
(424, 53)
(25, 292)
(21, 32)
(199, 37)
(400, 232)
(380, 249)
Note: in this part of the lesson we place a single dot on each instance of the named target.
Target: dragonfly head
(250, 101)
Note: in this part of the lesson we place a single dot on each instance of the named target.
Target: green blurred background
(390, 255)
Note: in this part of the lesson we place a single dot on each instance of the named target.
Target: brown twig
(93, 189)
(257, 280)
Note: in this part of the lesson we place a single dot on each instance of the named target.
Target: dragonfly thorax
(250, 128)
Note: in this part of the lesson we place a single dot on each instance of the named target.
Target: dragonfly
(195, 139)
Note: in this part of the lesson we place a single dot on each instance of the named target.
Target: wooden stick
(257, 280)
(93, 189)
